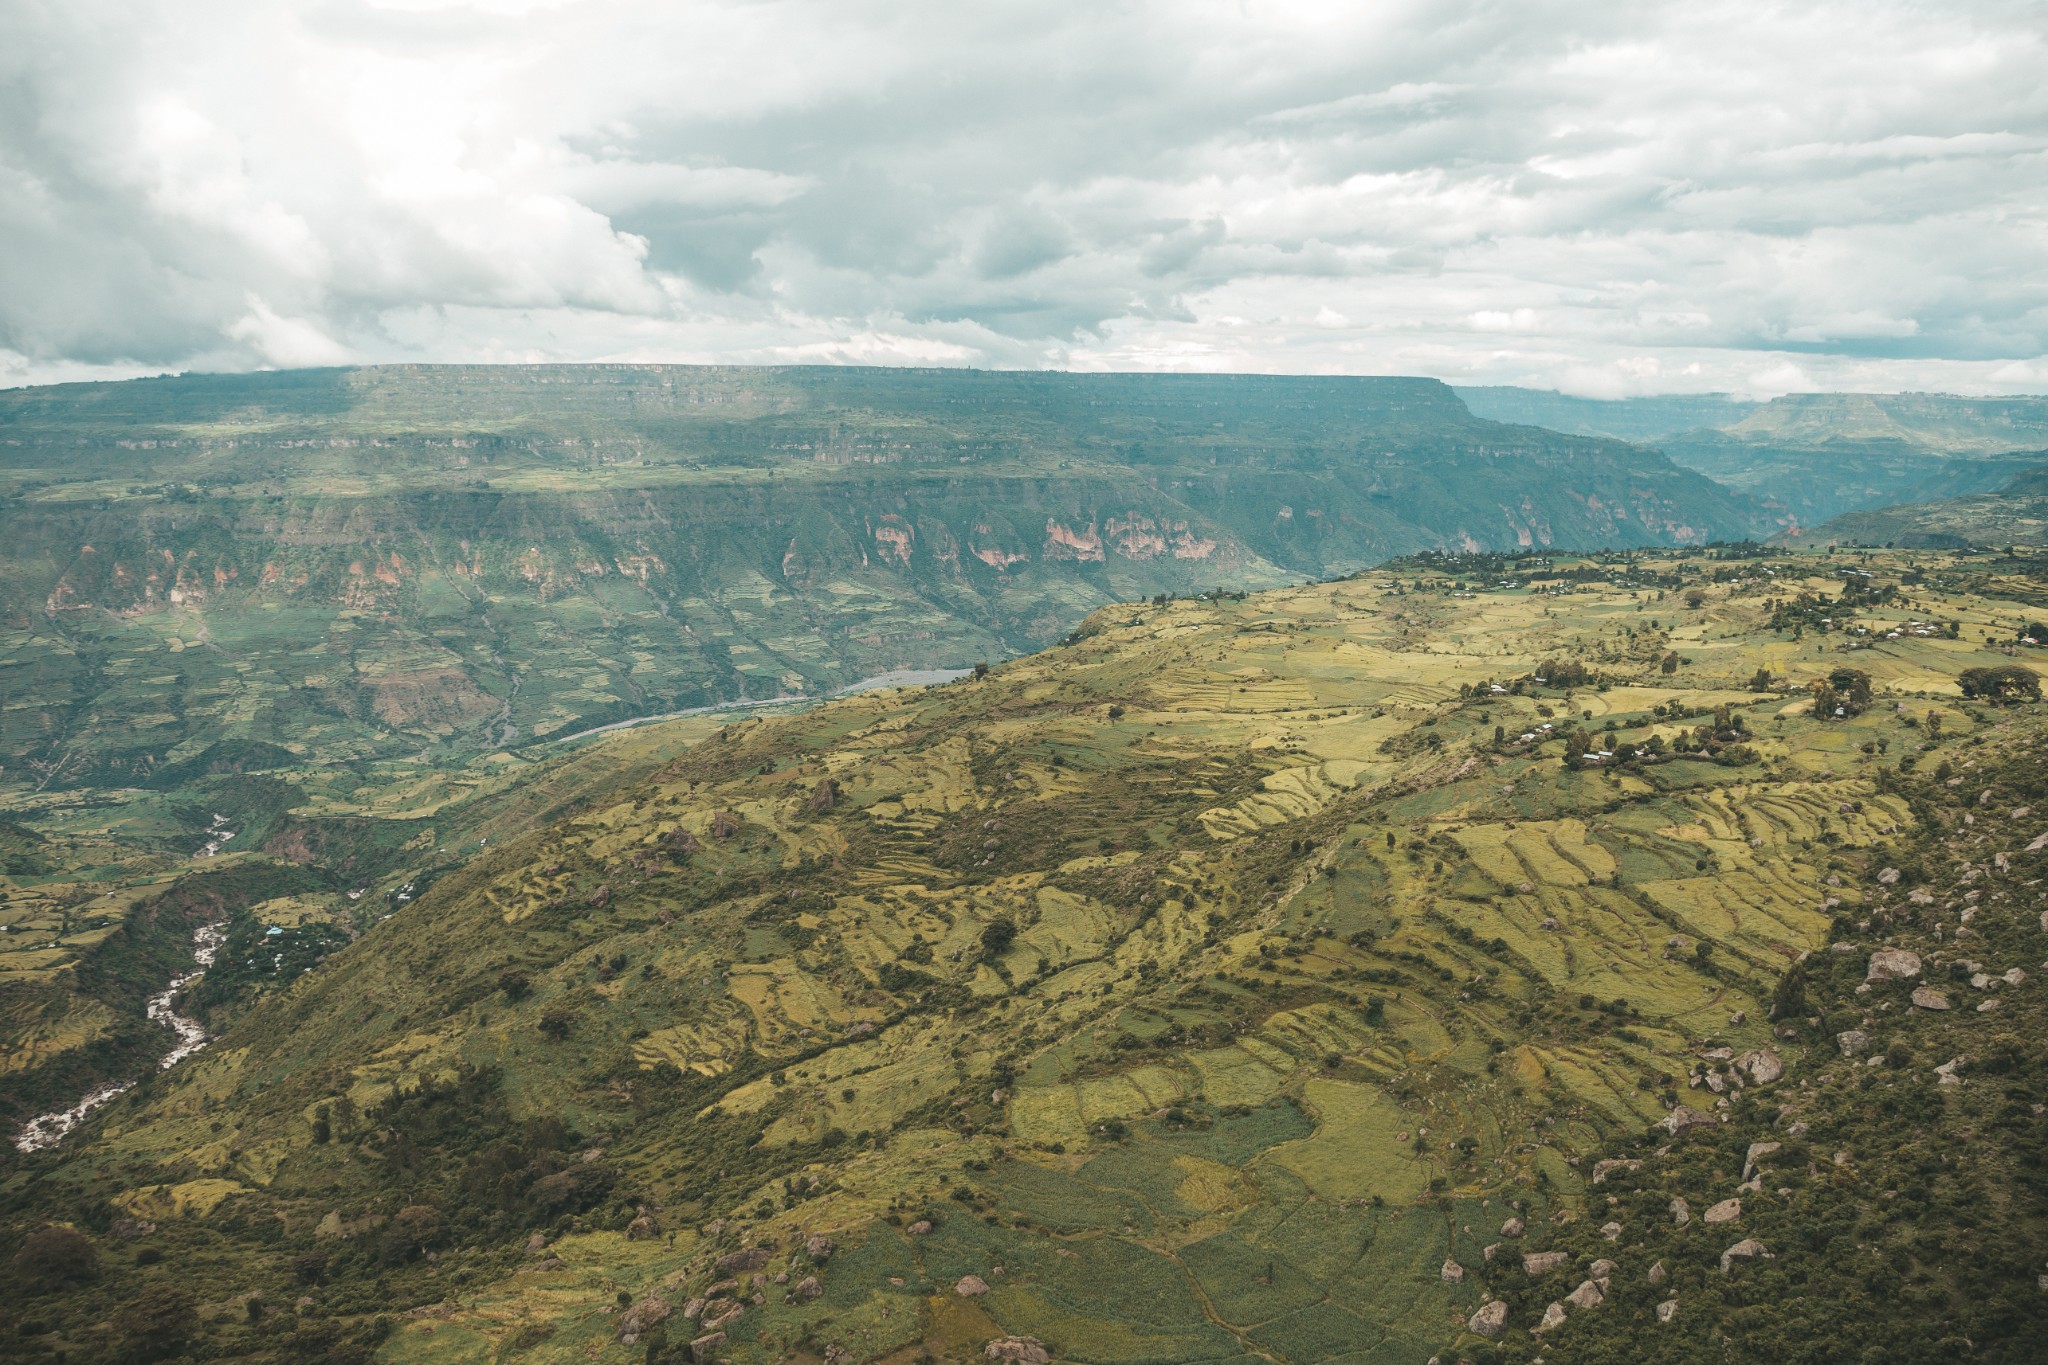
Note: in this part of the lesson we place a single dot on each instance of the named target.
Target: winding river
(47, 1130)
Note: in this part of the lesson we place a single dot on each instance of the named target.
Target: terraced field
(1247, 979)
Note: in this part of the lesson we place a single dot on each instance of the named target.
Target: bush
(156, 1324)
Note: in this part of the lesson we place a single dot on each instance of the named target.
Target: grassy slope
(1311, 985)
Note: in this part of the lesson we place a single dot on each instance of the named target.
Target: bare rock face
(1026, 1350)
(1928, 998)
(1727, 1211)
(1512, 1228)
(1852, 1041)
(1747, 1250)
(1543, 1262)
(1553, 1318)
(1453, 1273)
(1587, 1295)
(1681, 1212)
(1892, 964)
(1667, 1310)
(971, 1286)
(1490, 1321)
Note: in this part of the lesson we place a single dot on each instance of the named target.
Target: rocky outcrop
(1727, 1211)
(971, 1286)
(1543, 1262)
(1025, 1350)
(1490, 1321)
(1747, 1250)
(1892, 964)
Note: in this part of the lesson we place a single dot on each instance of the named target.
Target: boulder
(1667, 1310)
(1892, 964)
(1602, 1169)
(818, 1247)
(1757, 1151)
(537, 1243)
(1601, 1269)
(1684, 1117)
(806, 1289)
(1747, 1250)
(1852, 1041)
(1763, 1065)
(921, 1228)
(1587, 1295)
(1452, 1273)
(693, 1308)
(1658, 1274)
(1543, 1262)
(640, 1317)
(702, 1348)
(1611, 1231)
(1026, 1350)
(1681, 1212)
(1512, 1228)
(1928, 998)
(1490, 1321)
(971, 1286)
(1727, 1211)
(642, 1229)
(746, 1258)
(1553, 1318)
(1888, 877)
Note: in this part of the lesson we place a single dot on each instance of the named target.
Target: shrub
(55, 1258)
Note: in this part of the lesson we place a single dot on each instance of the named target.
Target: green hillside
(2016, 514)
(1278, 977)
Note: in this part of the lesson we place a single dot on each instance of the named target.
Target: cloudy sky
(1605, 198)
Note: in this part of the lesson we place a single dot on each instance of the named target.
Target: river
(47, 1130)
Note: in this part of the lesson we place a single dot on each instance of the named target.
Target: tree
(156, 1324)
(2005, 683)
(54, 1258)
(1670, 664)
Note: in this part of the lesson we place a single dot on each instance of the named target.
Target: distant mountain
(472, 556)
(1818, 455)
(2016, 514)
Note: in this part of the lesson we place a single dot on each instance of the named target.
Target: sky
(1604, 198)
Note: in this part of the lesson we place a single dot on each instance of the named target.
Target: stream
(47, 1130)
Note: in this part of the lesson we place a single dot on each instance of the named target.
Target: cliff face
(474, 556)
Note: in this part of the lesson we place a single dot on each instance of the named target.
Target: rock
(2015, 977)
(1512, 1228)
(1684, 1117)
(702, 1347)
(1611, 1231)
(746, 1258)
(1763, 1065)
(819, 1247)
(642, 1229)
(1452, 1273)
(1888, 877)
(1987, 1007)
(1667, 1310)
(1526, 889)
(806, 1289)
(1027, 1350)
(835, 1354)
(1553, 1318)
(1681, 1212)
(1543, 1262)
(921, 1228)
(1892, 964)
(551, 1263)
(971, 1286)
(1490, 1321)
(1727, 1211)
(1658, 1274)
(1587, 1295)
(640, 1317)
(1928, 998)
(1852, 1041)
(1602, 1168)
(1488, 1253)
(537, 1243)
(1746, 1250)
(1600, 1270)
(1739, 1017)
(693, 1309)
(1757, 1150)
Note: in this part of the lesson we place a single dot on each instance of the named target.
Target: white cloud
(1609, 199)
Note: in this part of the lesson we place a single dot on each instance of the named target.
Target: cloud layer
(1608, 199)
